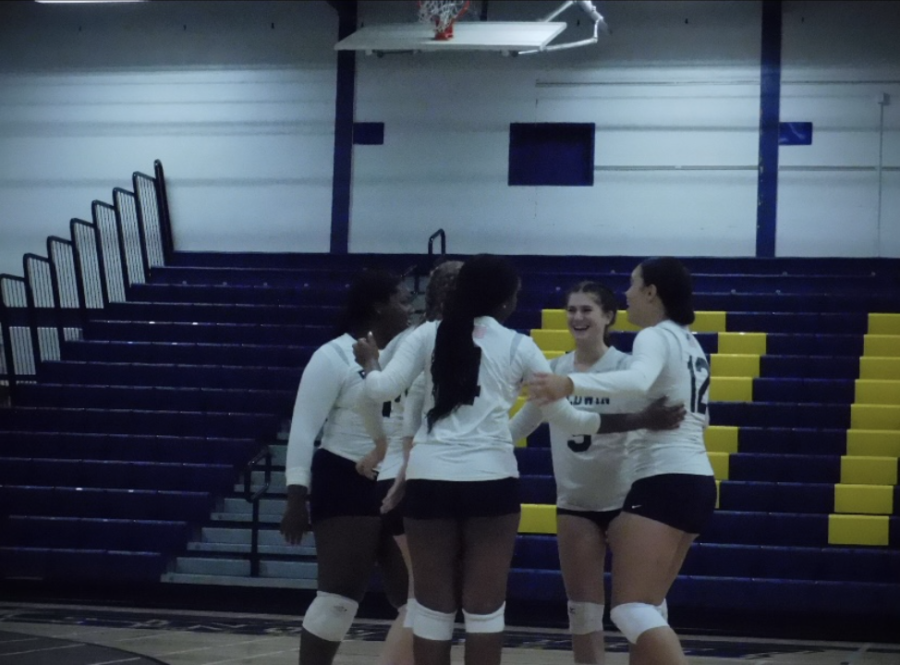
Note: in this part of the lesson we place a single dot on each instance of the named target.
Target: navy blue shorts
(459, 500)
(393, 520)
(601, 518)
(680, 500)
(339, 491)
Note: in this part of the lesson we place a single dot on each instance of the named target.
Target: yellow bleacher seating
(864, 499)
(870, 391)
(742, 343)
(884, 324)
(873, 443)
(538, 518)
(734, 364)
(731, 389)
(868, 470)
(858, 530)
(874, 416)
(879, 367)
(719, 462)
(721, 439)
(881, 345)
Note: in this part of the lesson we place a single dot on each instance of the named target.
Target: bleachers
(124, 456)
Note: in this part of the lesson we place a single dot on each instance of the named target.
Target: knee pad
(432, 625)
(329, 616)
(585, 618)
(486, 623)
(663, 609)
(410, 615)
(634, 619)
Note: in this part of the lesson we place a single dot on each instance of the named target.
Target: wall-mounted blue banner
(795, 133)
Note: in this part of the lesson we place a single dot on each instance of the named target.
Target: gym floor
(85, 634)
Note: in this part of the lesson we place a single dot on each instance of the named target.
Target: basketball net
(441, 15)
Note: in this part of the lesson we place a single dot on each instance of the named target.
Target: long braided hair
(485, 282)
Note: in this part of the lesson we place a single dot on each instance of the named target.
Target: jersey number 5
(577, 446)
(699, 369)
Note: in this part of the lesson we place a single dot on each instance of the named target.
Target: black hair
(368, 289)
(484, 283)
(673, 286)
(603, 296)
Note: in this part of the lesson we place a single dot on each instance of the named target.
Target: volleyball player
(462, 511)
(399, 427)
(592, 474)
(674, 492)
(338, 478)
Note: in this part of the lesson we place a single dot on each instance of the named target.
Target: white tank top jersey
(329, 400)
(392, 412)
(667, 361)
(594, 472)
(473, 443)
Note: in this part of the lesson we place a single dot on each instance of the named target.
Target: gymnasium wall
(241, 114)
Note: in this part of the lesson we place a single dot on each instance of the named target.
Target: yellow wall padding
(858, 530)
(879, 367)
(864, 499)
(730, 389)
(884, 324)
(721, 439)
(738, 342)
(873, 443)
(869, 470)
(877, 392)
(537, 518)
(734, 364)
(553, 340)
(881, 345)
(874, 416)
(719, 462)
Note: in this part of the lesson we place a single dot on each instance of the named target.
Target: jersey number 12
(699, 369)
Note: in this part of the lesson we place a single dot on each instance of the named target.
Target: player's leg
(346, 549)
(582, 553)
(393, 562)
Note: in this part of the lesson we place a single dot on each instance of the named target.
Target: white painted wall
(663, 92)
(240, 113)
(838, 59)
(242, 116)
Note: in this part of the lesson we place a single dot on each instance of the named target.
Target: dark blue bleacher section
(119, 452)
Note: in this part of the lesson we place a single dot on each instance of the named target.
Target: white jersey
(472, 443)
(667, 361)
(329, 400)
(392, 412)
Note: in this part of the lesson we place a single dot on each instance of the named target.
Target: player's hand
(368, 464)
(658, 416)
(295, 521)
(365, 350)
(394, 495)
(544, 389)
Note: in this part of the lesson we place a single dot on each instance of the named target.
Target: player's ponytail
(484, 283)
(673, 286)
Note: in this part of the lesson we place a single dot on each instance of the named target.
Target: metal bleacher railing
(50, 302)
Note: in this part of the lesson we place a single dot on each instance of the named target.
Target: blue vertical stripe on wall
(769, 112)
(343, 132)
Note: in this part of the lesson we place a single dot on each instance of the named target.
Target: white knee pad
(410, 613)
(329, 616)
(634, 619)
(486, 623)
(432, 625)
(585, 618)
(663, 608)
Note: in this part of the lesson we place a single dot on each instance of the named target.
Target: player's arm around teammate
(592, 473)
(674, 492)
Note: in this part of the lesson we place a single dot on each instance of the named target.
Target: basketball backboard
(505, 37)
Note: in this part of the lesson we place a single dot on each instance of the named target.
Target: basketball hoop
(442, 14)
